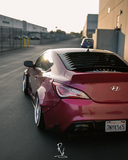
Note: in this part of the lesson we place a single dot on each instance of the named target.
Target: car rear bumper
(90, 127)
(86, 46)
(69, 113)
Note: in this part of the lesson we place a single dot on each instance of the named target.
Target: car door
(43, 63)
(35, 73)
(36, 78)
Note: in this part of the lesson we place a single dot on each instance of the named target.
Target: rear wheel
(38, 115)
(25, 84)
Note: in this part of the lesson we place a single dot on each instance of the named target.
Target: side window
(38, 62)
(45, 61)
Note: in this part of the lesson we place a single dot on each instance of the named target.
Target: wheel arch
(25, 82)
(25, 71)
(41, 94)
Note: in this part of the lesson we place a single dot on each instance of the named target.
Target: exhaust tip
(81, 130)
(85, 131)
(78, 131)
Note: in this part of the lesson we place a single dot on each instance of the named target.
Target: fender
(26, 71)
(47, 100)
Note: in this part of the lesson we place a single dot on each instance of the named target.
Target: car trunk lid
(103, 87)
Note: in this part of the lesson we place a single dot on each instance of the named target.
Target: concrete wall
(126, 34)
(120, 45)
(108, 19)
(84, 33)
(102, 4)
(94, 36)
(106, 40)
(109, 10)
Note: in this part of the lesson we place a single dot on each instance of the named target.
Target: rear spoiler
(99, 77)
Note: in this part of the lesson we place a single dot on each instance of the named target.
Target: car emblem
(114, 88)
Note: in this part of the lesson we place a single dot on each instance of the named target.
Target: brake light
(68, 92)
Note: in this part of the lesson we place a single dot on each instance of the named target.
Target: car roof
(72, 50)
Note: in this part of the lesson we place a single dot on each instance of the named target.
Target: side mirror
(28, 64)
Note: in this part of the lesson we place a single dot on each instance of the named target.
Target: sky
(67, 15)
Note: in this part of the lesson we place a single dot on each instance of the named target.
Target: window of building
(6, 22)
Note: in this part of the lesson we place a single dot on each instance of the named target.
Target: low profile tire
(38, 115)
(25, 84)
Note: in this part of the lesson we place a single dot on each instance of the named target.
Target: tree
(51, 32)
(60, 31)
(76, 34)
(81, 33)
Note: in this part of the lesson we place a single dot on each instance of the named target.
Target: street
(20, 139)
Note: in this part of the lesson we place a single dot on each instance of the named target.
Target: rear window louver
(73, 61)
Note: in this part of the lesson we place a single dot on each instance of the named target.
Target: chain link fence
(10, 38)
(13, 38)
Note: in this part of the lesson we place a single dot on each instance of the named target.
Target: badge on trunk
(114, 88)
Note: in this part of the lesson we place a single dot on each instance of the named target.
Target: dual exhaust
(81, 130)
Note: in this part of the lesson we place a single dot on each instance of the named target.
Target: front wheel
(38, 115)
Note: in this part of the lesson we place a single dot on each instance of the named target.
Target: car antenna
(88, 50)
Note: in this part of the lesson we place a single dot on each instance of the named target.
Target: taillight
(68, 92)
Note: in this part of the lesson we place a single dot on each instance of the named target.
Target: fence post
(1, 40)
(24, 42)
(9, 38)
(27, 42)
(13, 37)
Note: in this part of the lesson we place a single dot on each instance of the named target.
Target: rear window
(88, 40)
(90, 61)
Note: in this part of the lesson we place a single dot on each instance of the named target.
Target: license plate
(88, 46)
(115, 126)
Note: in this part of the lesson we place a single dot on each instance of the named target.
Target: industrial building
(12, 32)
(25, 26)
(90, 25)
(112, 30)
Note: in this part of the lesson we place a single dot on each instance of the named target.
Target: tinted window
(44, 61)
(89, 61)
(88, 40)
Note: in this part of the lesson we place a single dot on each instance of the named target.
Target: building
(112, 30)
(25, 26)
(90, 25)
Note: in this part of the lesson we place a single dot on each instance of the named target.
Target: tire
(25, 84)
(38, 115)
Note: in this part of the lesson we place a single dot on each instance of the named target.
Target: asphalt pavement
(20, 139)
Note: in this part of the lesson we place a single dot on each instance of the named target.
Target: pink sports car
(77, 89)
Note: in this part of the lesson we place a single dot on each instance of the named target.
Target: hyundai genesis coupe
(78, 89)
